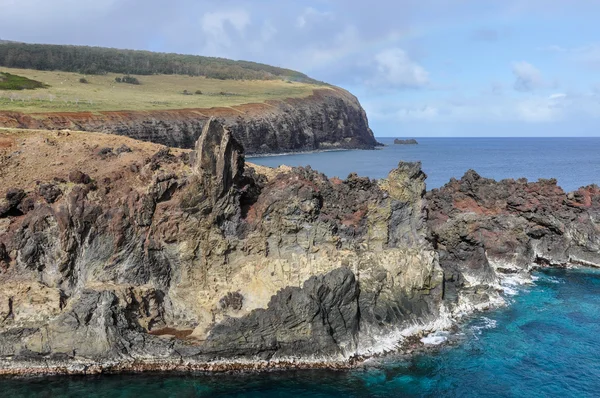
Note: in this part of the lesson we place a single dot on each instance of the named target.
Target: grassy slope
(14, 82)
(44, 155)
(67, 94)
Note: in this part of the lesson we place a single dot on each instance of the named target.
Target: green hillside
(100, 61)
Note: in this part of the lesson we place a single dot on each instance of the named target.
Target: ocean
(574, 162)
(544, 344)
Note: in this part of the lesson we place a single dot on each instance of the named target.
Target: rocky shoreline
(123, 256)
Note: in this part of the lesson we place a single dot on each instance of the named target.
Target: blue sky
(420, 68)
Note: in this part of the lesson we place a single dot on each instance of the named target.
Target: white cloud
(214, 22)
(395, 68)
(587, 55)
(538, 110)
(487, 108)
(218, 25)
(528, 77)
(310, 14)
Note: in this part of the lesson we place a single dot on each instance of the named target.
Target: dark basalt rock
(189, 261)
(11, 203)
(411, 141)
(483, 228)
(322, 317)
(49, 192)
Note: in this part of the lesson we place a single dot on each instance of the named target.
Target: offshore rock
(411, 141)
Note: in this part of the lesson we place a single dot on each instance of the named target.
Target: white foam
(435, 338)
(381, 343)
(486, 323)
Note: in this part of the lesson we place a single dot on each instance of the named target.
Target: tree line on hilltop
(98, 60)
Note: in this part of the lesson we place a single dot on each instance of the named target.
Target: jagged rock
(322, 317)
(184, 262)
(219, 160)
(483, 228)
(123, 149)
(11, 202)
(49, 192)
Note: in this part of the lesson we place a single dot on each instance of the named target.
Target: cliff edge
(122, 255)
(330, 118)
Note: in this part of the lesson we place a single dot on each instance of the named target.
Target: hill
(102, 93)
(268, 109)
(99, 61)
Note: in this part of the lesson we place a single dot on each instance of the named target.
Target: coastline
(417, 339)
(268, 155)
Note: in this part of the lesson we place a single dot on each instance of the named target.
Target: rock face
(331, 118)
(177, 260)
(411, 141)
(185, 260)
(485, 230)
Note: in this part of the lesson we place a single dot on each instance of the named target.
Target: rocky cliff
(331, 118)
(117, 254)
(487, 231)
(137, 257)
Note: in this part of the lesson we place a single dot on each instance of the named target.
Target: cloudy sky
(419, 67)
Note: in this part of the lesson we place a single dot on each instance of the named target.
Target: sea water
(574, 162)
(546, 343)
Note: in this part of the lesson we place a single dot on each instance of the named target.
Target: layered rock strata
(140, 257)
(121, 259)
(331, 118)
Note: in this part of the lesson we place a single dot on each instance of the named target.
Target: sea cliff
(122, 255)
(331, 118)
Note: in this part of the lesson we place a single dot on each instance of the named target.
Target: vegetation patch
(14, 82)
(127, 79)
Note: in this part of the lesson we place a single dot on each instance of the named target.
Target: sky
(418, 67)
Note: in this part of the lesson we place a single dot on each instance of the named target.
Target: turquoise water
(546, 344)
(574, 162)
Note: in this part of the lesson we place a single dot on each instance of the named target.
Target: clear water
(546, 344)
(574, 162)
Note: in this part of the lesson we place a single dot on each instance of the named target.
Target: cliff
(117, 254)
(487, 231)
(331, 118)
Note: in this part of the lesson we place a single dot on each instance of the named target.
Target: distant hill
(99, 60)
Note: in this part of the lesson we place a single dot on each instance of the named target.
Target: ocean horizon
(573, 162)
